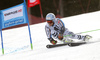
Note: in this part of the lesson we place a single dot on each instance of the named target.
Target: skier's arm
(61, 24)
(48, 33)
(62, 29)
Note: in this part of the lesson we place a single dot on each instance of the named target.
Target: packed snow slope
(17, 42)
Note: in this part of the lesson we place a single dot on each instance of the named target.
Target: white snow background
(17, 42)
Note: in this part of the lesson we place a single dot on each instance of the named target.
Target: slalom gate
(12, 16)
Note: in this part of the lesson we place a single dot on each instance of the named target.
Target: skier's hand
(53, 42)
(60, 36)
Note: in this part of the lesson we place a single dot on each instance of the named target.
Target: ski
(71, 44)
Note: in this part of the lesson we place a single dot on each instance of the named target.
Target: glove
(60, 36)
(53, 42)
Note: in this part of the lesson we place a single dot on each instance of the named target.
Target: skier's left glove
(60, 36)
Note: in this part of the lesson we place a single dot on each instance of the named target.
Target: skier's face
(50, 22)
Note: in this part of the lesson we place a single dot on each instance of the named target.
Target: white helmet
(50, 16)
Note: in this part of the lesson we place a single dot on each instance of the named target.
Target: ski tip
(47, 46)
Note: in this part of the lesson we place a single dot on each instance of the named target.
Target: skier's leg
(68, 34)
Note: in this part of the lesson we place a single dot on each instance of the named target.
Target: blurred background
(61, 8)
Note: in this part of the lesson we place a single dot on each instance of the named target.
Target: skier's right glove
(52, 41)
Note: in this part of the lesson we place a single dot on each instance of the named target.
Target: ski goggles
(49, 21)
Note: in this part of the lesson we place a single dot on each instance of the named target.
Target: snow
(17, 42)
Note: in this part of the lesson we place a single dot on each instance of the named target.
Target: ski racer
(55, 29)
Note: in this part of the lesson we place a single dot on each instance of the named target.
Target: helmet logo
(48, 18)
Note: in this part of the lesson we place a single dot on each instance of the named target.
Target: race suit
(59, 28)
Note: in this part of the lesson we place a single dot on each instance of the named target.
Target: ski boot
(87, 38)
(67, 40)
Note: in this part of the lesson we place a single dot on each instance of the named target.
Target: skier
(55, 29)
